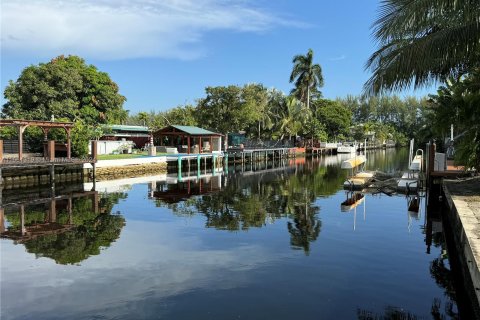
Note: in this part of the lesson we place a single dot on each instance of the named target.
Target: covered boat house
(188, 139)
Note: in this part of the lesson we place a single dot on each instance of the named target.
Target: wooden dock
(320, 150)
(259, 154)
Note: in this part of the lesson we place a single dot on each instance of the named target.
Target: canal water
(259, 242)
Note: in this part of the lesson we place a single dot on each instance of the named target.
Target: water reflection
(207, 266)
(67, 228)
(253, 198)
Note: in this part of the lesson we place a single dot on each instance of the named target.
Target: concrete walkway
(463, 197)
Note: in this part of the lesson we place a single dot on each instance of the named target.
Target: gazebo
(22, 124)
(189, 139)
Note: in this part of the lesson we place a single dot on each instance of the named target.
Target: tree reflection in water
(440, 271)
(68, 229)
(252, 200)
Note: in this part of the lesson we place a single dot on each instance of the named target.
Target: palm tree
(293, 117)
(307, 76)
(143, 117)
(421, 42)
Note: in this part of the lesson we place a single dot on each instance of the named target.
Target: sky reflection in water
(265, 245)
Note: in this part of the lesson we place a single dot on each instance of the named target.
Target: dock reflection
(67, 228)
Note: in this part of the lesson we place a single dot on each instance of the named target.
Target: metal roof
(119, 127)
(194, 130)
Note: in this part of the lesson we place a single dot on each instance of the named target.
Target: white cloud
(117, 29)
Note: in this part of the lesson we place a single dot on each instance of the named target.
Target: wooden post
(211, 144)
(200, 145)
(94, 150)
(1, 150)
(23, 230)
(2, 220)
(21, 129)
(69, 145)
(188, 142)
(51, 150)
(53, 211)
(70, 210)
(95, 200)
(52, 174)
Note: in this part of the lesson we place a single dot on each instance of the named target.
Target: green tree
(421, 42)
(181, 115)
(307, 76)
(457, 103)
(294, 116)
(227, 109)
(65, 87)
(255, 100)
(336, 117)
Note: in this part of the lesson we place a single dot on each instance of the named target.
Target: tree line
(419, 44)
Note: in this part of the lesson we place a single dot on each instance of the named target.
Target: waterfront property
(123, 139)
(188, 139)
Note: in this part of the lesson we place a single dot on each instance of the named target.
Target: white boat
(353, 162)
(359, 181)
(348, 147)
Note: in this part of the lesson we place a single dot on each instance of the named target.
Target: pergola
(191, 139)
(44, 125)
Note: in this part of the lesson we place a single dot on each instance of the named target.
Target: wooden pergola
(191, 137)
(44, 125)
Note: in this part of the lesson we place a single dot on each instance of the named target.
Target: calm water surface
(264, 244)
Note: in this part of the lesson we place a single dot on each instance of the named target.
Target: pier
(259, 154)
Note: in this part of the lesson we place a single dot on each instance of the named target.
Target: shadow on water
(67, 228)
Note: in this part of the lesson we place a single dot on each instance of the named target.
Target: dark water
(272, 244)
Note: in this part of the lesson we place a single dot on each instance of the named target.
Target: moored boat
(353, 162)
(348, 147)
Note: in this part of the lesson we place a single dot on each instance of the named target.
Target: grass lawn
(120, 156)
(124, 156)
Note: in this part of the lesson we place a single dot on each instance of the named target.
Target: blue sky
(163, 53)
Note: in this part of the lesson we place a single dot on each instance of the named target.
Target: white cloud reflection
(150, 260)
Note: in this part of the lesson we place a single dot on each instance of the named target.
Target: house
(139, 135)
(122, 139)
(188, 139)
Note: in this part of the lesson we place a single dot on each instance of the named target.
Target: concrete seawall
(122, 168)
(463, 198)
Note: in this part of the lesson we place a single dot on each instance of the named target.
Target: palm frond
(423, 41)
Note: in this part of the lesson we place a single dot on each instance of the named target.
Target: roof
(191, 130)
(119, 127)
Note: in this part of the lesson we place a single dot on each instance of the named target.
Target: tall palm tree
(423, 41)
(307, 76)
